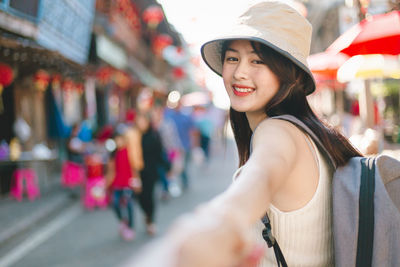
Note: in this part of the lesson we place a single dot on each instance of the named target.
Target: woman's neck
(254, 119)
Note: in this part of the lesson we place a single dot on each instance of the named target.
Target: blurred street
(77, 237)
(96, 94)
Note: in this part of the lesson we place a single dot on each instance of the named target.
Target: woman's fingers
(254, 257)
(212, 241)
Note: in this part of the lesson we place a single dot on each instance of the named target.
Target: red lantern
(41, 80)
(153, 15)
(79, 88)
(56, 81)
(178, 73)
(160, 42)
(122, 79)
(68, 85)
(6, 75)
(104, 75)
(128, 10)
(6, 78)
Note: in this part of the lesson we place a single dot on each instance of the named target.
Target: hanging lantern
(56, 81)
(41, 80)
(6, 75)
(104, 75)
(152, 16)
(178, 73)
(122, 80)
(79, 88)
(160, 42)
(68, 85)
(128, 10)
(6, 78)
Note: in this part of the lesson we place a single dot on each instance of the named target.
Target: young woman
(281, 171)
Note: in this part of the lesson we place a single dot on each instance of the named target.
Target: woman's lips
(240, 90)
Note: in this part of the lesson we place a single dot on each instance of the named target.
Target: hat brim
(211, 54)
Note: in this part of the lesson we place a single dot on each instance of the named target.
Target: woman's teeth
(243, 90)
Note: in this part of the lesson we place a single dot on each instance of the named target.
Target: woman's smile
(241, 90)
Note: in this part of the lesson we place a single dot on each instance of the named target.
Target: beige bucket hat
(271, 23)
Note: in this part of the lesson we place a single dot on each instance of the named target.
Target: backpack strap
(302, 126)
(271, 242)
(366, 213)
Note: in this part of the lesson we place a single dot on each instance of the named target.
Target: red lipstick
(240, 90)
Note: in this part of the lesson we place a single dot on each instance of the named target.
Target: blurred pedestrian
(186, 129)
(73, 169)
(153, 158)
(170, 141)
(205, 126)
(75, 146)
(123, 180)
(281, 171)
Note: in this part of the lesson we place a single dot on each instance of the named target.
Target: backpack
(366, 209)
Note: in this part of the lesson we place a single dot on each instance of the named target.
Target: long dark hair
(290, 99)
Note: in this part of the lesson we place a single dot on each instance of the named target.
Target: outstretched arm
(216, 233)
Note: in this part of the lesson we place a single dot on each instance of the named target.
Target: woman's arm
(273, 157)
(110, 172)
(216, 233)
(134, 141)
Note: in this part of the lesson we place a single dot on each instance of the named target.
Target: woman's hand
(213, 238)
(136, 184)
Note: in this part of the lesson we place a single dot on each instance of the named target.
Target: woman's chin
(239, 108)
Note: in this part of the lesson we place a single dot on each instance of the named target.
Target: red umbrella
(378, 34)
(323, 81)
(326, 64)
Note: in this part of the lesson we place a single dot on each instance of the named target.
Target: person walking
(123, 181)
(281, 171)
(153, 159)
(186, 128)
(205, 126)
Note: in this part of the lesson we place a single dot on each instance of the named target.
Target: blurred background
(74, 74)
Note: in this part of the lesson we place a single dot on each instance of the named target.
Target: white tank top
(304, 235)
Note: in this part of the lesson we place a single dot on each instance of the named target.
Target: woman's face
(142, 123)
(250, 84)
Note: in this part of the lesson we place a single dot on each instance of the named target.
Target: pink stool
(31, 182)
(72, 174)
(95, 193)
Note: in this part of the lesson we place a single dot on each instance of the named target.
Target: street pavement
(76, 237)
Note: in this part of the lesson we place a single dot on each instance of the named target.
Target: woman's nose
(241, 71)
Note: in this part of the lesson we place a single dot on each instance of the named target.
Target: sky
(199, 20)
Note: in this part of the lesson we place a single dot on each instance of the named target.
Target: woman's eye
(258, 61)
(231, 59)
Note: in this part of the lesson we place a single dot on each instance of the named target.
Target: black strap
(366, 214)
(271, 242)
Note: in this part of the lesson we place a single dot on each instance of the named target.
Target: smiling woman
(282, 173)
(249, 82)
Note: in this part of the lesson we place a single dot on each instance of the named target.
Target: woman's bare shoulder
(276, 131)
(277, 140)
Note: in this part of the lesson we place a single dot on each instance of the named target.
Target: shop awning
(29, 56)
